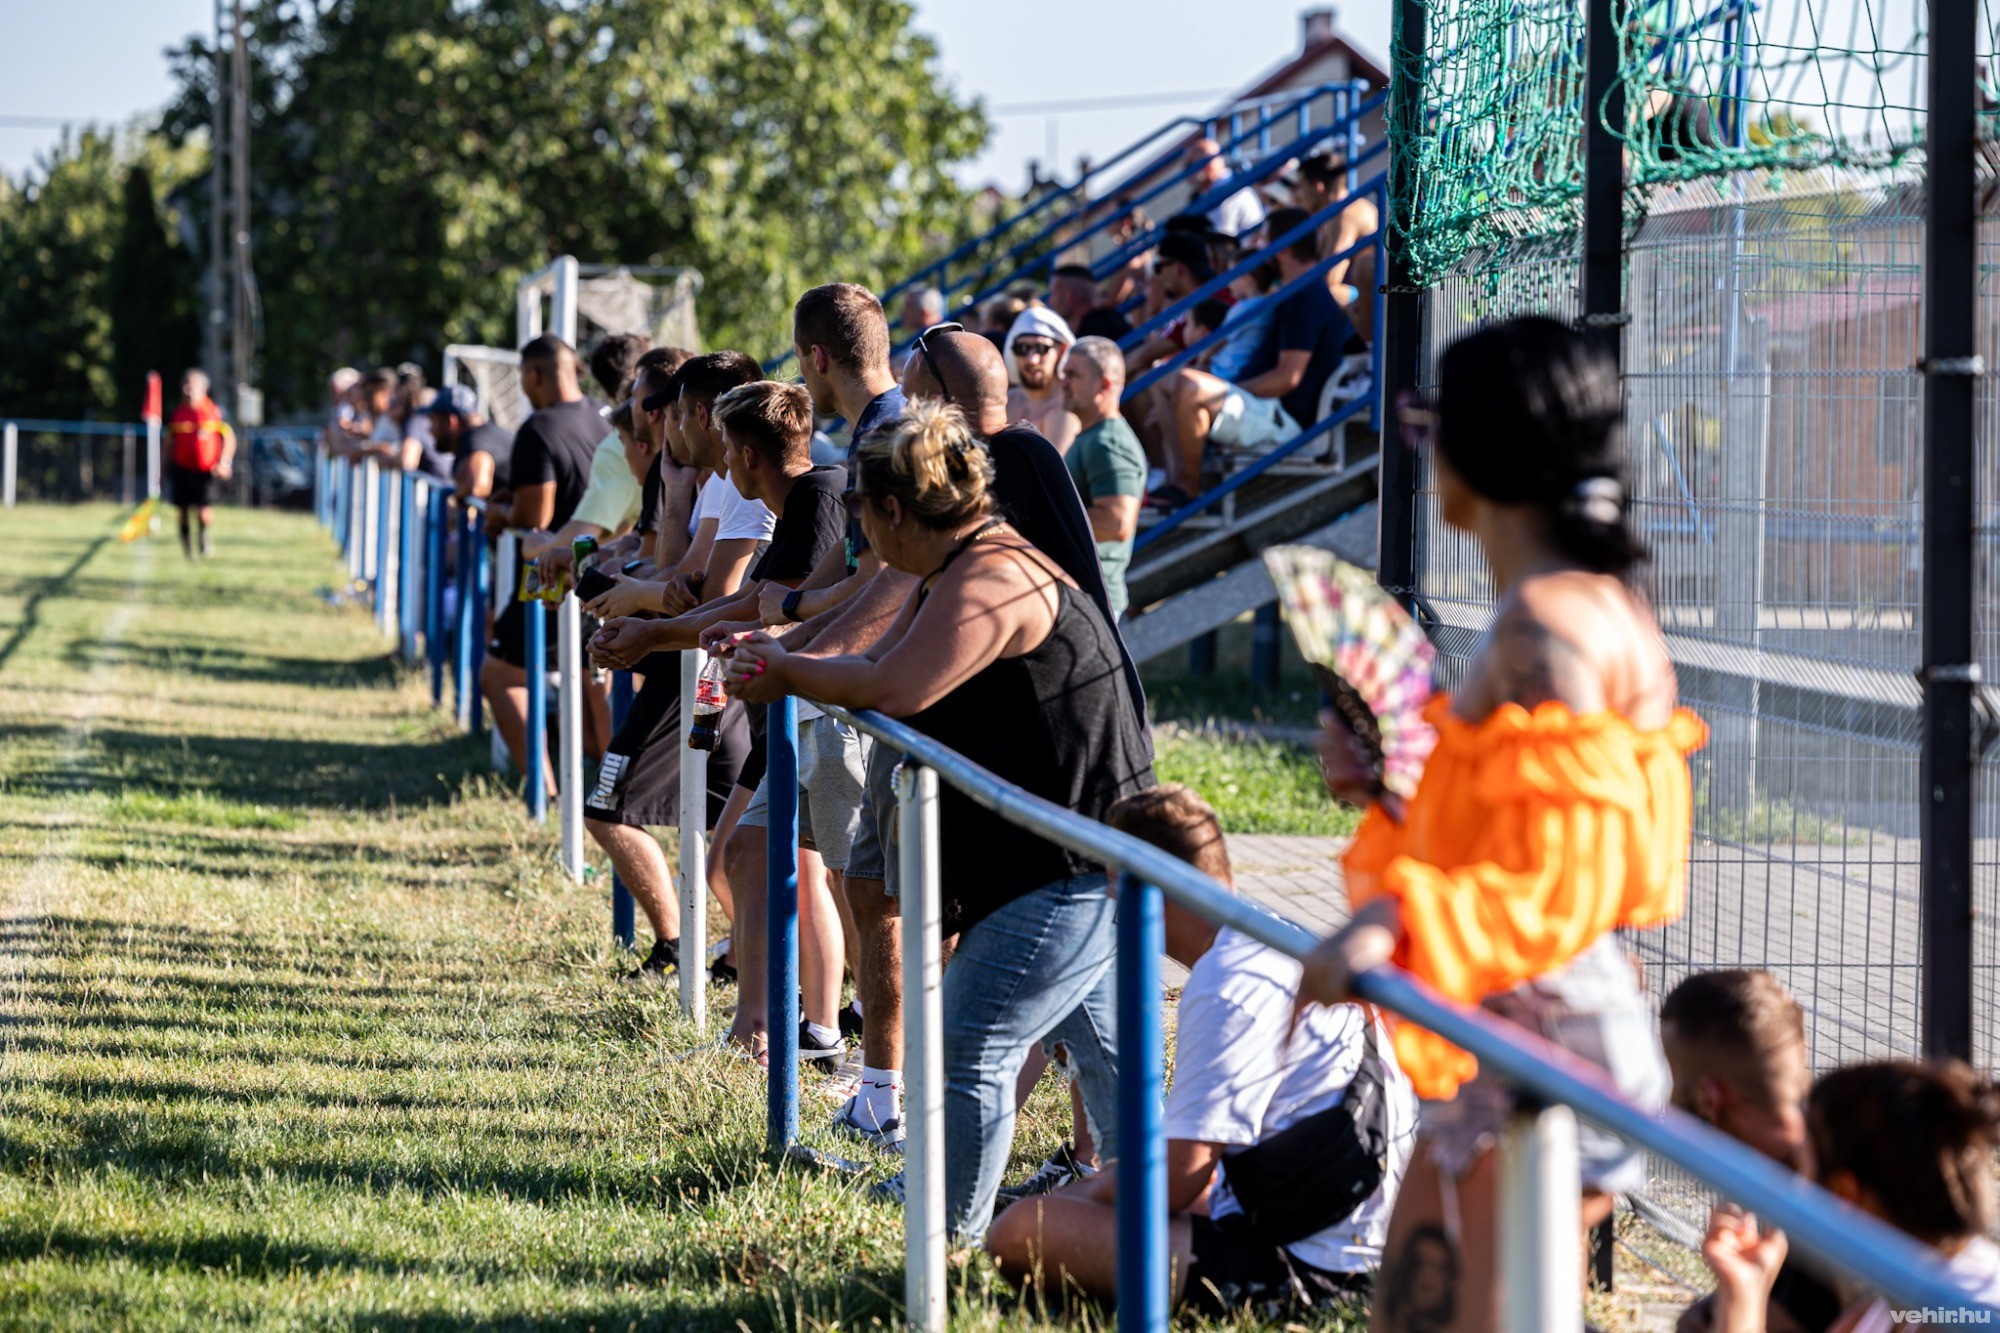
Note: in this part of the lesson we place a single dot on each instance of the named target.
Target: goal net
(494, 374)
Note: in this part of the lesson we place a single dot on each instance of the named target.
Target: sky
(103, 61)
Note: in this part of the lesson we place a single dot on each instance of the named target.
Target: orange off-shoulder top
(1530, 835)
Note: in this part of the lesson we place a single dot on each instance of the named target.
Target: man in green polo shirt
(1106, 461)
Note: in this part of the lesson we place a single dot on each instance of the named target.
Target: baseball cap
(1180, 247)
(456, 400)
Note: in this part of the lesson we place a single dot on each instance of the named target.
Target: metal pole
(10, 462)
(621, 897)
(385, 551)
(562, 301)
(214, 358)
(435, 565)
(1402, 303)
(128, 478)
(409, 553)
(538, 710)
(694, 852)
(1142, 1164)
(572, 681)
(1265, 631)
(504, 576)
(152, 458)
(479, 595)
(471, 622)
(1950, 673)
(781, 780)
(924, 1272)
(1603, 179)
(1540, 1226)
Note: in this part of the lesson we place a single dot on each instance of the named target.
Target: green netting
(1711, 87)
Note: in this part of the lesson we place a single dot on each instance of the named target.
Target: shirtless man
(1323, 181)
(1036, 344)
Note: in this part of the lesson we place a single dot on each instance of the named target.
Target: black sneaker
(1061, 1168)
(665, 957)
(850, 1021)
(826, 1058)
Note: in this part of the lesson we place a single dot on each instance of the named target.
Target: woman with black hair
(1555, 808)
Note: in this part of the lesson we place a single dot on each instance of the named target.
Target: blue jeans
(1042, 966)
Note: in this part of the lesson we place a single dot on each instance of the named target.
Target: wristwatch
(790, 606)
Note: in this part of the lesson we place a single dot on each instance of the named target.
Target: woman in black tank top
(1001, 659)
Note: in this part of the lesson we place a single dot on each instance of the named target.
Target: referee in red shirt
(203, 449)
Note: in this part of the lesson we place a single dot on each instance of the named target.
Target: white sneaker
(887, 1136)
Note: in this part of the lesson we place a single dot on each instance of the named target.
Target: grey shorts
(833, 759)
(1594, 1008)
(875, 845)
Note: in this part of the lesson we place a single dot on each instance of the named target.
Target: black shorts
(754, 761)
(639, 783)
(190, 488)
(510, 635)
(1231, 1270)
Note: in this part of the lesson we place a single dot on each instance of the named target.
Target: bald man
(1238, 214)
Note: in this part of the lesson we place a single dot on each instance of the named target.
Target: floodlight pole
(1951, 369)
(1604, 316)
(1402, 305)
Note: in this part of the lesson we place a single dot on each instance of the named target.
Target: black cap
(653, 402)
(1180, 247)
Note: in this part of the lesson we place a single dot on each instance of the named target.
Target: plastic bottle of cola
(710, 696)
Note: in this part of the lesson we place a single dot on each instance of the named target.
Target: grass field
(304, 1032)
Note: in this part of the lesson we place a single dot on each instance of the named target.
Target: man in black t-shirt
(549, 469)
(478, 448)
(767, 447)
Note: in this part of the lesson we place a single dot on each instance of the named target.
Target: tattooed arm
(1529, 659)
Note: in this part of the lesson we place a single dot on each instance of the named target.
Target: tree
(151, 296)
(412, 159)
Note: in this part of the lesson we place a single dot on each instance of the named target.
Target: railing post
(924, 1272)
(384, 572)
(408, 568)
(1540, 1222)
(503, 578)
(10, 462)
(128, 479)
(781, 780)
(1142, 1161)
(537, 670)
(571, 682)
(472, 601)
(1401, 305)
(152, 458)
(435, 626)
(694, 853)
(621, 897)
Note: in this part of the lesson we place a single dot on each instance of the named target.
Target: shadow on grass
(226, 662)
(31, 610)
(262, 770)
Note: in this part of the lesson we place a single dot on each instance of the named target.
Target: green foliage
(1256, 786)
(413, 159)
(83, 242)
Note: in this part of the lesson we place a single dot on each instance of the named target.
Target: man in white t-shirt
(1245, 1071)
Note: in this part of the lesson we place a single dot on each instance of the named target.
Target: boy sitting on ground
(1286, 1138)
(1736, 1042)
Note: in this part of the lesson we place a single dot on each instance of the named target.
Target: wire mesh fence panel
(1986, 640)
(54, 464)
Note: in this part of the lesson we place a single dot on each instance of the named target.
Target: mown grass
(304, 1032)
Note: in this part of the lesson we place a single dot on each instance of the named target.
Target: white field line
(21, 912)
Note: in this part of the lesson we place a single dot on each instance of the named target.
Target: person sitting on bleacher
(1322, 182)
(1278, 393)
(1238, 214)
(1736, 1043)
(1037, 342)
(1294, 1128)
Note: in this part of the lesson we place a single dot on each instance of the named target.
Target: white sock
(824, 1036)
(880, 1098)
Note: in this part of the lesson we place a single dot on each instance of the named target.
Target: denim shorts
(832, 760)
(874, 855)
(1594, 1008)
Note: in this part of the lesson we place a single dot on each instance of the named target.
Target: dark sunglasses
(1416, 420)
(929, 363)
(1032, 347)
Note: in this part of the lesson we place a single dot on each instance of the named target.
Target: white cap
(1039, 319)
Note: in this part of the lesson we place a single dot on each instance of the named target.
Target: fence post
(473, 622)
(1142, 1160)
(621, 897)
(1402, 306)
(924, 1273)
(409, 556)
(1540, 1223)
(694, 853)
(781, 781)
(10, 462)
(572, 680)
(537, 670)
(383, 549)
(128, 480)
(471, 608)
(1950, 674)
(1603, 179)
(152, 456)
(435, 566)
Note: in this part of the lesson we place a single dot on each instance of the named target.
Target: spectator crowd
(963, 568)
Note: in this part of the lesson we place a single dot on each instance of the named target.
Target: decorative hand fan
(1372, 660)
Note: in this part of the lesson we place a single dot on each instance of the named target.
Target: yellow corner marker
(140, 523)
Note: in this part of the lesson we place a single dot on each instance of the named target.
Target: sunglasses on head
(929, 363)
(1416, 420)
